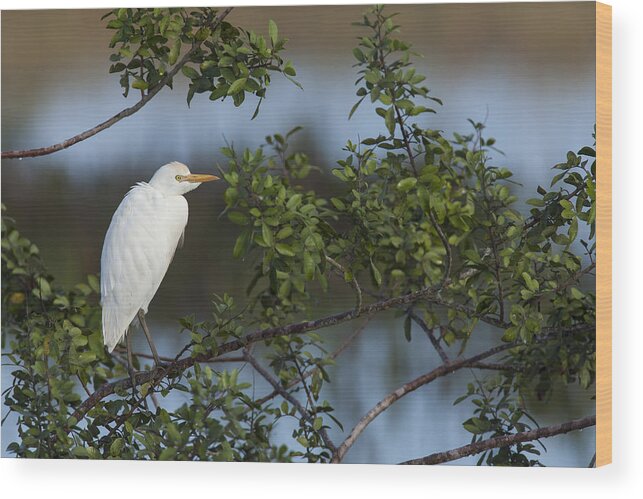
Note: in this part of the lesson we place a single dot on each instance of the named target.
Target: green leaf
(190, 72)
(237, 86)
(407, 328)
(317, 423)
(140, 84)
(116, 447)
(531, 283)
(354, 108)
(284, 249)
(406, 184)
(220, 91)
(167, 454)
(289, 70)
(359, 55)
(587, 151)
(510, 334)
(372, 76)
(284, 232)
(175, 50)
(237, 217)
(309, 266)
(241, 245)
(273, 32)
(294, 202)
(266, 233)
(93, 283)
(389, 120)
(377, 276)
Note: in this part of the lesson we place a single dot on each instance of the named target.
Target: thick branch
(391, 398)
(43, 151)
(178, 366)
(442, 370)
(505, 440)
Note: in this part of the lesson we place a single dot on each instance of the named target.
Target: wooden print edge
(603, 234)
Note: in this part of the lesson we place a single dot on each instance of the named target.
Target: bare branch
(429, 332)
(391, 398)
(442, 370)
(490, 366)
(505, 440)
(43, 151)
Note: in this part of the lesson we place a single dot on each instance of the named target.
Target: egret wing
(140, 242)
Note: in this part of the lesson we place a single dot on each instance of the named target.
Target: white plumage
(140, 243)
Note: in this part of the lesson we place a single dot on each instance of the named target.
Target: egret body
(143, 235)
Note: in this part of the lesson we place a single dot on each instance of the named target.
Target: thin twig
(167, 79)
(354, 283)
(345, 344)
(288, 396)
(533, 220)
(429, 332)
(574, 278)
(504, 440)
(592, 462)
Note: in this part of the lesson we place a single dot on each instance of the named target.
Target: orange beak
(199, 177)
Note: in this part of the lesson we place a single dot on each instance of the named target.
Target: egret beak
(199, 177)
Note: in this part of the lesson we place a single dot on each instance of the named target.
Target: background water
(527, 69)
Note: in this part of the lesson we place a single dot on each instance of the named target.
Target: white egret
(144, 233)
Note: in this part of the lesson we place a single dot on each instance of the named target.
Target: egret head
(175, 179)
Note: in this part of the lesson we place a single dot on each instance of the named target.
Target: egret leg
(130, 361)
(141, 318)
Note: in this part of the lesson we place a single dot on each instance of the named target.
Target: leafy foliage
(219, 58)
(414, 215)
(497, 413)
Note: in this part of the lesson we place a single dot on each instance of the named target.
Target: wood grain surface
(604, 234)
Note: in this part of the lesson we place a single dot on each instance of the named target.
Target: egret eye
(178, 178)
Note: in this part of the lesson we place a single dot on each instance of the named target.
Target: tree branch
(429, 332)
(279, 388)
(345, 344)
(355, 284)
(442, 370)
(43, 151)
(178, 366)
(391, 398)
(534, 219)
(505, 440)
(182, 364)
